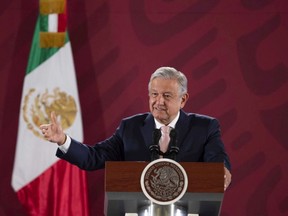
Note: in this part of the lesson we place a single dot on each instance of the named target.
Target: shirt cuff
(64, 148)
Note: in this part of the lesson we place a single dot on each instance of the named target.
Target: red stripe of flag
(62, 20)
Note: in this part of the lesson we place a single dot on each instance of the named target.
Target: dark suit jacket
(199, 140)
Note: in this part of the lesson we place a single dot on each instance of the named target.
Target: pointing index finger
(53, 118)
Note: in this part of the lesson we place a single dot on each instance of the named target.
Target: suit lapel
(181, 127)
(147, 129)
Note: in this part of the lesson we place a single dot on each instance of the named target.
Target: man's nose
(160, 99)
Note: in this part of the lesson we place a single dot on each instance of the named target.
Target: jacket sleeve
(88, 157)
(214, 147)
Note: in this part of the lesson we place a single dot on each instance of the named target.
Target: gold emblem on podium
(164, 181)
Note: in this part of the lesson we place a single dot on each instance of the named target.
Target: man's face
(164, 99)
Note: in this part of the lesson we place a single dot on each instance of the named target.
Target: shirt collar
(171, 124)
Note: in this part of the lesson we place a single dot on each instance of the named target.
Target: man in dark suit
(198, 136)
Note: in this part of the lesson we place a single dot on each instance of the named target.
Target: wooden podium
(123, 193)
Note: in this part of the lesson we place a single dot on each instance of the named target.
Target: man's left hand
(227, 178)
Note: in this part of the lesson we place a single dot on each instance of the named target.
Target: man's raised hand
(53, 132)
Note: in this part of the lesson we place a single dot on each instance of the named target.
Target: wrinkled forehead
(164, 85)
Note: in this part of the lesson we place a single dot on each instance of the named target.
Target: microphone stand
(174, 149)
(154, 148)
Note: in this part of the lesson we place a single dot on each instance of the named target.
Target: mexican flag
(44, 184)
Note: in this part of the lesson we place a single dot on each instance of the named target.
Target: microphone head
(173, 133)
(156, 135)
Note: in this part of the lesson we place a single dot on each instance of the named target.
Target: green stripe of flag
(38, 55)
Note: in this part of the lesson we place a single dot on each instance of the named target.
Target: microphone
(173, 145)
(154, 148)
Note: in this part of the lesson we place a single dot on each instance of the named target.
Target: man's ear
(184, 99)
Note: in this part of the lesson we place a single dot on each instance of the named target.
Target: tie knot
(165, 129)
